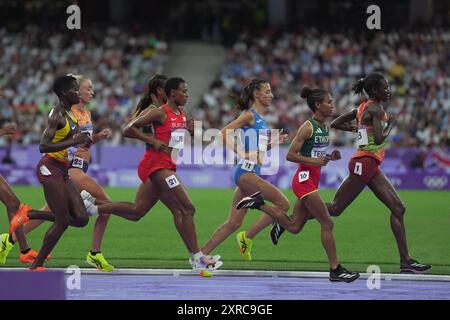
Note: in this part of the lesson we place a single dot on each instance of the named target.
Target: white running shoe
(215, 258)
(87, 196)
(91, 208)
(199, 265)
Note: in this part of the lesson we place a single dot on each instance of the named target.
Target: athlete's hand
(8, 130)
(322, 161)
(83, 139)
(161, 146)
(284, 137)
(105, 134)
(392, 121)
(334, 156)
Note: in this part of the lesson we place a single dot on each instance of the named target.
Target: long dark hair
(368, 83)
(155, 82)
(243, 101)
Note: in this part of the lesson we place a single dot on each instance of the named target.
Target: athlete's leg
(33, 224)
(178, 199)
(85, 182)
(250, 183)
(12, 204)
(77, 210)
(300, 216)
(231, 225)
(315, 205)
(260, 224)
(384, 191)
(347, 192)
(56, 195)
(177, 219)
(146, 197)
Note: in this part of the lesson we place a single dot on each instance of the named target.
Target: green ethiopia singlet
(316, 146)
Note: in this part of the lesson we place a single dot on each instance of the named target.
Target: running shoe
(98, 261)
(87, 196)
(413, 266)
(20, 218)
(200, 265)
(91, 208)
(5, 247)
(245, 246)
(31, 256)
(37, 269)
(276, 232)
(340, 274)
(215, 258)
(255, 201)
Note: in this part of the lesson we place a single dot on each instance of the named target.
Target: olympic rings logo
(435, 182)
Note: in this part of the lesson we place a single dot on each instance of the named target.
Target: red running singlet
(154, 160)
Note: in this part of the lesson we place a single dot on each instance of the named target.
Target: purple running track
(162, 287)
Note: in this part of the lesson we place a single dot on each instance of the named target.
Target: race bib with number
(177, 139)
(303, 176)
(172, 181)
(263, 142)
(362, 139)
(319, 152)
(77, 163)
(248, 165)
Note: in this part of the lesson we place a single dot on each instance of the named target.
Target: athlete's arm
(228, 133)
(344, 121)
(57, 121)
(8, 130)
(104, 134)
(377, 114)
(147, 117)
(293, 155)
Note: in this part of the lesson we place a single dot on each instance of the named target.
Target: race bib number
(77, 163)
(303, 176)
(248, 165)
(362, 138)
(319, 152)
(172, 181)
(263, 142)
(358, 168)
(177, 139)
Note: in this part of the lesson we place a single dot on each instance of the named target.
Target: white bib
(319, 152)
(248, 165)
(177, 139)
(362, 139)
(303, 176)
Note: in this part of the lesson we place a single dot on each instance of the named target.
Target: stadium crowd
(119, 65)
(415, 64)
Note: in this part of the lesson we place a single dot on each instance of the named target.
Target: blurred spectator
(118, 62)
(416, 65)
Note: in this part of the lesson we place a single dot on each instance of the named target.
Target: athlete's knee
(284, 205)
(233, 225)
(327, 224)
(399, 209)
(81, 221)
(296, 229)
(188, 210)
(333, 209)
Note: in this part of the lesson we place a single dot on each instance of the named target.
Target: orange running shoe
(31, 256)
(37, 269)
(20, 218)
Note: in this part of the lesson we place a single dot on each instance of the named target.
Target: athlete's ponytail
(157, 81)
(367, 84)
(312, 96)
(243, 101)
